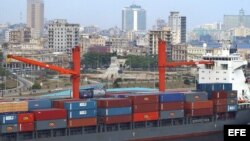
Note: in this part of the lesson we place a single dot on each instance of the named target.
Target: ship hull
(161, 132)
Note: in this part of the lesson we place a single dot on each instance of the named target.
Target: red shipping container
(219, 94)
(82, 122)
(219, 102)
(60, 103)
(220, 109)
(144, 99)
(25, 117)
(199, 112)
(115, 119)
(199, 104)
(50, 114)
(145, 116)
(143, 108)
(26, 127)
(113, 102)
(171, 106)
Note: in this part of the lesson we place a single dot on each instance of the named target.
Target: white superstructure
(227, 68)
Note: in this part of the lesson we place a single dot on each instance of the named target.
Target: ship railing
(243, 106)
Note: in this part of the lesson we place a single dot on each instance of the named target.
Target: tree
(187, 81)
(116, 83)
(36, 86)
(95, 60)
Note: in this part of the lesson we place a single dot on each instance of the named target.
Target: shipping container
(228, 87)
(199, 112)
(25, 117)
(232, 94)
(114, 111)
(8, 119)
(26, 127)
(219, 94)
(113, 102)
(19, 106)
(217, 87)
(220, 102)
(82, 122)
(232, 108)
(51, 124)
(143, 108)
(80, 105)
(39, 104)
(172, 106)
(199, 105)
(5, 107)
(232, 101)
(16, 106)
(195, 96)
(171, 114)
(8, 128)
(144, 99)
(115, 119)
(145, 116)
(86, 93)
(220, 109)
(59, 103)
(75, 114)
(171, 97)
(50, 114)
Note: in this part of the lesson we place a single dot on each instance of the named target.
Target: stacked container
(210, 87)
(50, 119)
(81, 113)
(225, 101)
(25, 122)
(145, 107)
(13, 106)
(8, 123)
(39, 104)
(197, 104)
(114, 110)
(171, 105)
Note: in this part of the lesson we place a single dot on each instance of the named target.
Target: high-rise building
(35, 17)
(133, 18)
(154, 36)
(160, 23)
(63, 36)
(232, 21)
(177, 24)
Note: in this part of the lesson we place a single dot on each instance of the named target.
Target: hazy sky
(107, 13)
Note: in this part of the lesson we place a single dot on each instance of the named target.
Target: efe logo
(237, 132)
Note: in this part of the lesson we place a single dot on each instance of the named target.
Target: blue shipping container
(232, 108)
(171, 97)
(39, 104)
(80, 105)
(228, 87)
(81, 114)
(8, 119)
(114, 111)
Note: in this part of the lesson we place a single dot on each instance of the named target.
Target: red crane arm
(43, 65)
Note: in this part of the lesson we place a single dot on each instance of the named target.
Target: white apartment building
(63, 36)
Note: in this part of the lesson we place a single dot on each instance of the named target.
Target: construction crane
(74, 72)
(162, 64)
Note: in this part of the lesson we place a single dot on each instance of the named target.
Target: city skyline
(86, 12)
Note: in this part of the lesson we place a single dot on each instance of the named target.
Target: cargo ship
(221, 98)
